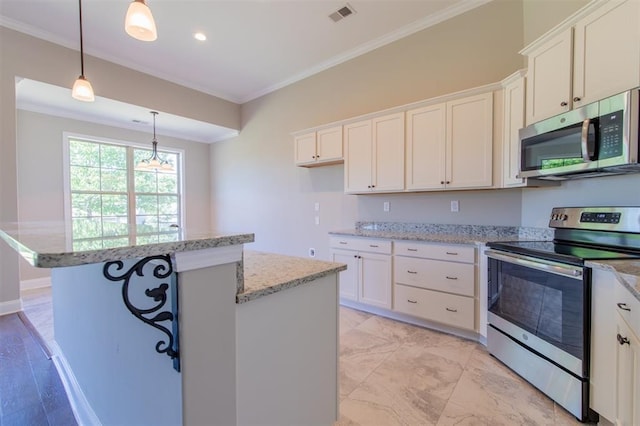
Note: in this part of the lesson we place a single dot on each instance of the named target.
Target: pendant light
(139, 22)
(82, 89)
(154, 162)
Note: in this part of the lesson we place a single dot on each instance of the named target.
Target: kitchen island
(195, 331)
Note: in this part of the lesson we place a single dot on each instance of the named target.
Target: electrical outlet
(455, 206)
(312, 252)
(316, 206)
(317, 220)
(385, 206)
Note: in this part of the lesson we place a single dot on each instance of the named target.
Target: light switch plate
(385, 206)
(455, 206)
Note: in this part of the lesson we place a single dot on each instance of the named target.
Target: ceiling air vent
(341, 13)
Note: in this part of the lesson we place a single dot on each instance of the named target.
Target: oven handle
(540, 264)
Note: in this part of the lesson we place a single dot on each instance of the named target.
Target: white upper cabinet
(450, 145)
(596, 55)
(374, 155)
(513, 121)
(319, 148)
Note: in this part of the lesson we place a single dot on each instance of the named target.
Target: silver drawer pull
(451, 278)
(342, 242)
(624, 307)
(623, 340)
(373, 245)
(412, 272)
(452, 253)
(410, 249)
(451, 310)
(412, 301)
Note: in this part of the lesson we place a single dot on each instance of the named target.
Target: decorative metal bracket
(162, 270)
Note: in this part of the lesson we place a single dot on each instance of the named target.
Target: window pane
(114, 205)
(115, 242)
(84, 153)
(114, 180)
(147, 204)
(83, 245)
(140, 154)
(146, 181)
(164, 238)
(114, 226)
(167, 183)
(147, 239)
(85, 178)
(113, 157)
(168, 204)
(147, 224)
(85, 205)
(86, 228)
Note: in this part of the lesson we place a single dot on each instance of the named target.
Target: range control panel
(618, 219)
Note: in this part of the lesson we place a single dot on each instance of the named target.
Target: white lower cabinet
(436, 282)
(368, 275)
(615, 351)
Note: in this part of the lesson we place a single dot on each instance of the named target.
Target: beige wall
(542, 15)
(40, 171)
(257, 188)
(25, 56)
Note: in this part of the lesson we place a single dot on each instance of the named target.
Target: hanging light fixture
(139, 22)
(154, 162)
(82, 89)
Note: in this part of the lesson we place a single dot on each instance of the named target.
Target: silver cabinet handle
(563, 103)
(577, 99)
(342, 242)
(412, 249)
(624, 307)
(412, 301)
(451, 310)
(452, 253)
(451, 278)
(412, 272)
(373, 245)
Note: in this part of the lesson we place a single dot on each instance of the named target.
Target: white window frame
(67, 136)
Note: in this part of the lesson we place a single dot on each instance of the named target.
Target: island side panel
(207, 299)
(287, 356)
(110, 352)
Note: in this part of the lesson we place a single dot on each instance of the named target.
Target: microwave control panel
(611, 135)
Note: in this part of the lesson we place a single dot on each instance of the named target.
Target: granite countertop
(267, 273)
(455, 234)
(627, 271)
(44, 245)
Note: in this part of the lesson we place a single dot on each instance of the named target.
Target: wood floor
(31, 393)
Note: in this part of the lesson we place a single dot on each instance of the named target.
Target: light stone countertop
(43, 244)
(268, 273)
(627, 271)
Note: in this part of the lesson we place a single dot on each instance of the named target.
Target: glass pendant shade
(139, 22)
(82, 90)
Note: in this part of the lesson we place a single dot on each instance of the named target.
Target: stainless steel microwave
(597, 139)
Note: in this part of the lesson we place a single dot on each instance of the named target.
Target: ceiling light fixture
(154, 162)
(82, 89)
(139, 22)
(200, 36)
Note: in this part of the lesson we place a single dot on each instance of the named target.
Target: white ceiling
(253, 46)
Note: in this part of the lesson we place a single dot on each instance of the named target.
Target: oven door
(541, 305)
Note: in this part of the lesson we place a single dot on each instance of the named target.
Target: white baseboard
(10, 307)
(35, 283)
(81, 408)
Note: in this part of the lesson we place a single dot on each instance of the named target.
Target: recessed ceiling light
(200, 36)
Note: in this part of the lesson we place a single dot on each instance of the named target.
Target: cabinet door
(349, 277)
(470, 142)
(388, 153)
(602, 383)
(305, 148)
(375, 279)
(329, 144)
(357, 157)
(549, 78)
(628, 376)
(513, 122)
(426, 159)
(607, 52)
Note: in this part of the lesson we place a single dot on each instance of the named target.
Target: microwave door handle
(584, 141)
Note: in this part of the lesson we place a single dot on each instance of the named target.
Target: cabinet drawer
(452, 277)
(457, 311)
(453, 252)
(628, 307)
(361, 244)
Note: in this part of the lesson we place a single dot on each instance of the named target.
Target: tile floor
(392, 373)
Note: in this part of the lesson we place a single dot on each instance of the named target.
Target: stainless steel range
(540, 299)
